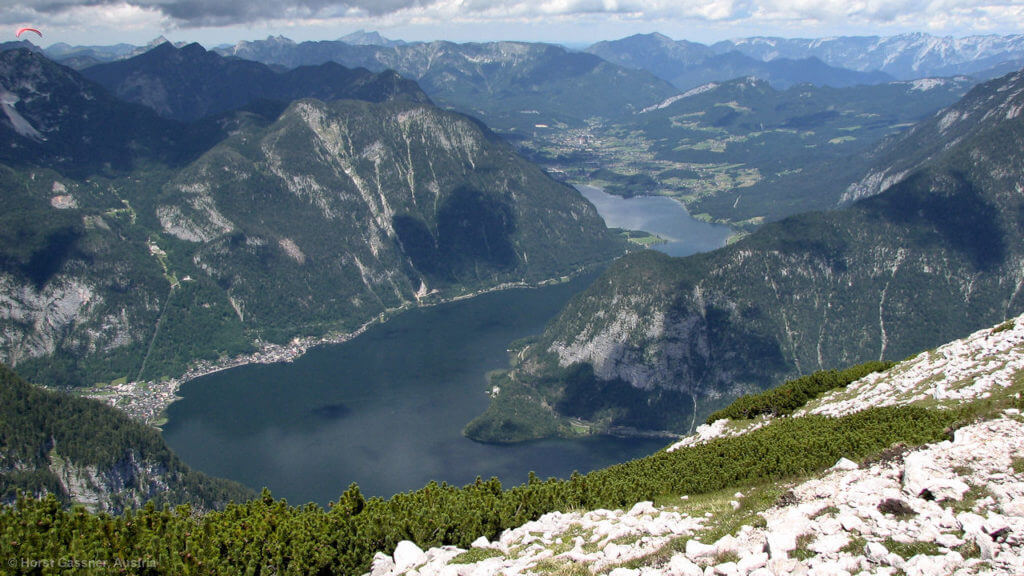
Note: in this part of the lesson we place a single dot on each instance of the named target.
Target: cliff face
(893, 274)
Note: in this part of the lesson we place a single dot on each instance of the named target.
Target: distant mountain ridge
(508, 85)
(362, 37)
(656, 339)
(904, 56)
(190, 83)
(688, 65)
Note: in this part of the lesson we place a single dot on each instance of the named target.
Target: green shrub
(265, 535)
(794, 394)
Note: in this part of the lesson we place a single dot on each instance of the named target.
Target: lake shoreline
(661, 216)
(148, 401)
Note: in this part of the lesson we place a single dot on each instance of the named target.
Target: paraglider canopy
(23, 30)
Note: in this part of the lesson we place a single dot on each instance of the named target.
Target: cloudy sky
(573, 22)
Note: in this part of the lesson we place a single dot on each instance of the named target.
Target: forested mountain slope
(658, 342)
(87, 453)
(258, 225)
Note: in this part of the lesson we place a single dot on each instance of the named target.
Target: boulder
(922, 477)
(782, 531)
(752, 562)
(696, 549)
(680, 565)
(876, 553)
(844, 464)
(382, 564)
(831, 543)
(408, 555)
(922, 565)
(641, 508)
(727, 569)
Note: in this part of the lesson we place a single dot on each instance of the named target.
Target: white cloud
(779, 17)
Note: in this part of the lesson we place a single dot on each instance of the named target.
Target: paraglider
(23, 30)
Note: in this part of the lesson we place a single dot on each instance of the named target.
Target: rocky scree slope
(657, 339)
(954, 507)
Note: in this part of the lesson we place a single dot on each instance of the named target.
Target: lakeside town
(147, 401)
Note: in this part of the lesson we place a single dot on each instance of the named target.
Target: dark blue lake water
(659, 215)
(386, 410)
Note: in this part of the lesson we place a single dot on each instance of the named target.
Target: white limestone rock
(783, 530)
(696, 549)
(408, 555)
(382, 564)
(921, 474)
(680, 565)
(844, 464)
(752, 562)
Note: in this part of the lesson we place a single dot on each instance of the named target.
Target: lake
(658, 215)
(386, 409)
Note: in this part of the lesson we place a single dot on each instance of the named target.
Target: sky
(570, 22)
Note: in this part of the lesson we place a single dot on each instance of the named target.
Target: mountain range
(839, 61)
(903, 56)
(688, 64)
(136, 247)
(511, 86)
(134, 243)
(657, 343)
(189, 83)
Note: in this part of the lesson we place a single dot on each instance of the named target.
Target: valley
(741, 152)
(483, 284)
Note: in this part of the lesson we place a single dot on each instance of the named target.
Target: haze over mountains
(688, 65)
(837, 62)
